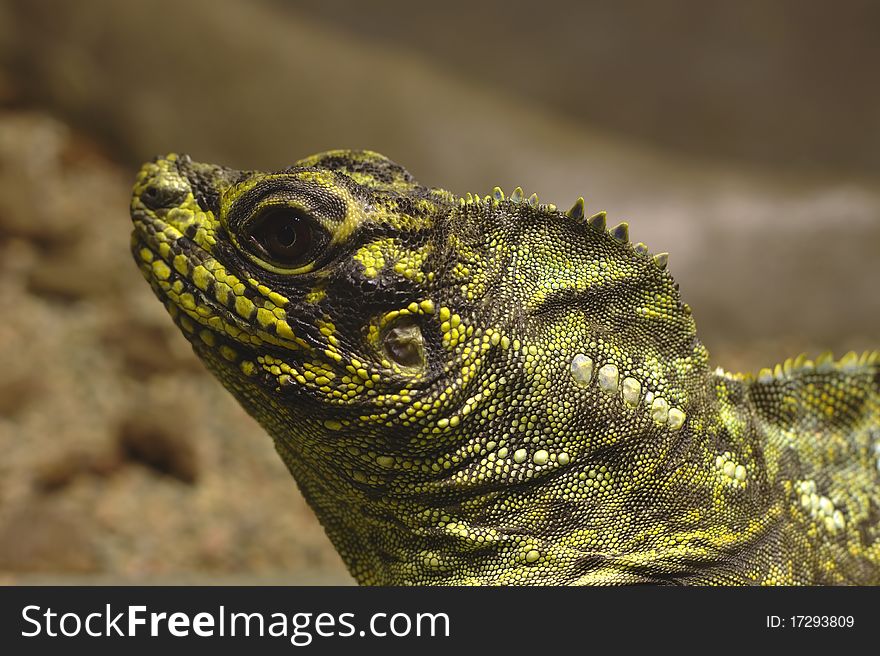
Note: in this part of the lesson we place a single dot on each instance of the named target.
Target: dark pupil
(285, 235)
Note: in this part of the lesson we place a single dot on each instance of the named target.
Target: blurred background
(743, 138)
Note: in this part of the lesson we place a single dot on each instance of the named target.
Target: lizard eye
(286, 236)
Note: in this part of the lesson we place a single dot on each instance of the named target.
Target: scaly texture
(485, 390)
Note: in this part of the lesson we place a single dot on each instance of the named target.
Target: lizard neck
(716, 502)
(657, 506)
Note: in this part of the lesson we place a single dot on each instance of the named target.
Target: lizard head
(320, 285)
(422, 360)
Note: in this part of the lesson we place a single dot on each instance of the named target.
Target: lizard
(487, 390)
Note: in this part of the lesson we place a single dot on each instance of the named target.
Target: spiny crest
(577, 210)
(824, 363)
(620, 232)
(597, 221)
(518, 196)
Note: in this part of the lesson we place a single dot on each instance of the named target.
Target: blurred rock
(158, 438)
(57, 474)
(147, 349)
(70, 279)
(19, 392)
(43, 538)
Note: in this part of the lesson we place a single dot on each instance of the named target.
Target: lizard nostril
(157, 197)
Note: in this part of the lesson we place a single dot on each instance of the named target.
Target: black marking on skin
(203, 185)
(407, 206)
(207, 199)
(369, 296)
(369, 232)
(194, 254)
(383, 170)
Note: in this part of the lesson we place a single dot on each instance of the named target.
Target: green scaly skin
(485, 390)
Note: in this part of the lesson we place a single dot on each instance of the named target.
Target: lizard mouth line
(193, 306)
(169, 260)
